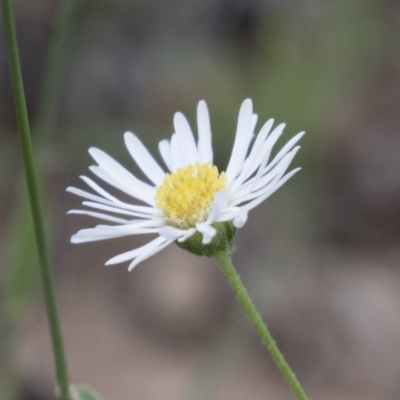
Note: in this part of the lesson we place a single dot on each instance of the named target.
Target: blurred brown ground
(321, 257)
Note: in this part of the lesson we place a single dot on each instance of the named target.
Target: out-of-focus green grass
(20, 275)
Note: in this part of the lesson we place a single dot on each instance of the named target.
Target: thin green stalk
(224, 261)
(27, 151)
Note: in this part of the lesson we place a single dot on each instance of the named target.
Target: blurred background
(320, 257)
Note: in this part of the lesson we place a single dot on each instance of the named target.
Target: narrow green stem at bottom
(32, 183)
(224, 261)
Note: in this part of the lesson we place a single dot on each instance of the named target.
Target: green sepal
(222, 241)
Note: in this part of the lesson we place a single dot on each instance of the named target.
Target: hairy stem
(224, 261)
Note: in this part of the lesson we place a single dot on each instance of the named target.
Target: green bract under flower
(189, 201)
(222, 241)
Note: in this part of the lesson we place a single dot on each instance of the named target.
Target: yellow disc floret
(186, 195)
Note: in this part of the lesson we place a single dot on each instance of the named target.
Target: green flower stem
(224, 261)
(24, 131)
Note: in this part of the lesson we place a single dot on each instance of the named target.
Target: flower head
(192, 203)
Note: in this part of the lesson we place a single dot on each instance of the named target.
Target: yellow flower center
(186, 195)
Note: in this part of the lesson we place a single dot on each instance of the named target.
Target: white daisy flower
(192, 198)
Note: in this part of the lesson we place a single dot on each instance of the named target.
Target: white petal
(265, 145)
(143, 158)
(254, 119)
(262, 158)
(279, 169)
(185, 138)
(120, 204)
(205, 152)
(240, 220)
(133, 227)
(229, 214)
(171, 233)
(123, 177)
(265, 183)
(187, 235)
(263, 134)
(129, 255)
(259, 200)
(207, 230)
(264, 175)
(99, 215)
(220, 204)
(101, 232)
(243, 137)
(285, 149)
(275, 134)
(106, 177)
(87, 195)
(93, 234)
(248, 187)
(260, 151)
(97, 188)
(165, 151)
(147, 254)
(177, 158)
(152, 212)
